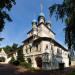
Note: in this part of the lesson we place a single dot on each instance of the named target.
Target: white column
(34, 64)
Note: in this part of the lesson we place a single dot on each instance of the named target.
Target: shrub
(16, 62)
(25, 64)
(12, 60)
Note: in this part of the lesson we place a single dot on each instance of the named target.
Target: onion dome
(34, 24)
(41, 18)
(34, 21)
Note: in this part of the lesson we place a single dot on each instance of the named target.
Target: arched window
(29, 60)
(26, 50)
(46, 46)
(51, 47)
(36, 47)
(2, 59)
(59, 51)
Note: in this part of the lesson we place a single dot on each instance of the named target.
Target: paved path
(13, 70)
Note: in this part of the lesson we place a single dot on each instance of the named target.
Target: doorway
(39, 62)
(29, 60)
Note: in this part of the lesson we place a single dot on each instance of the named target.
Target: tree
(66, 12)
(11, 49)
(7, 49)
(5, 6)
(20, 56)
(14, 47)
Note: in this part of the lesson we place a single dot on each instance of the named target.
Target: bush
(12, 60)
(25, 64)
(16, 62)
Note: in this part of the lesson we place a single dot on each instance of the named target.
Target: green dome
(34, 20)
(42, 14)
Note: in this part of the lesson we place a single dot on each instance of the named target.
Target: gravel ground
(13, 70)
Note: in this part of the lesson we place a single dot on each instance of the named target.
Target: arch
(2, 59)
(39, 62)
(29, 60)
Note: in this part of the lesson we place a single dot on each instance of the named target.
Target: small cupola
(41, 18)
(34, 24)
(48, 23)
(34, 27)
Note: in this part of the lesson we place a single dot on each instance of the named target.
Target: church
(41, 49)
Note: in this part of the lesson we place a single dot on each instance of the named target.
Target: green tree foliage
(20, 56)
(11, 49)
(14, 47)
(12, 60)
(5, 6)
(26, 65)
(66, 12)
(7, 49)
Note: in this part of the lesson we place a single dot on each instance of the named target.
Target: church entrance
(39, 62)
(29, 60)
(61, 65)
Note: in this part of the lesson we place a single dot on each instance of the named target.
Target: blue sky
(23, 14)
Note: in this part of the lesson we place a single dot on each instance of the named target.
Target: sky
(22, 15)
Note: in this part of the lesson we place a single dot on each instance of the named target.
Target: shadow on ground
(13, 70)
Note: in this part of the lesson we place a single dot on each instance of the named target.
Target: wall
(44, 32)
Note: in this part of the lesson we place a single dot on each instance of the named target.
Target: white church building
(41, 49)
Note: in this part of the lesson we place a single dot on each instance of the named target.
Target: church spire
(41, 17)
(41, 6)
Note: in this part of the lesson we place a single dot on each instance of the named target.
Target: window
(26, 50)
(30, 49)
(39, 47)
(59, 51)
(36, 47)
(51, 47)
(46, 47)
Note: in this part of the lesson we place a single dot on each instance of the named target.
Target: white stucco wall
(44, 44)
(45, 32)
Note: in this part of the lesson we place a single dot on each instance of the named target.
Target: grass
(72, 73)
